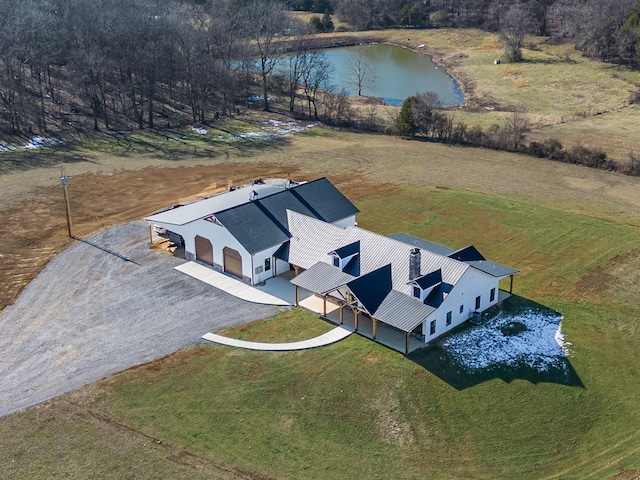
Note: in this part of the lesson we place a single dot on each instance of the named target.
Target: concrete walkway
(230, 285)
(332, 336)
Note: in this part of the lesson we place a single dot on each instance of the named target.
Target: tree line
(421, 116)
(605, 29)
(126, 64)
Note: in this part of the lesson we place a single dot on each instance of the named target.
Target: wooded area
(69, 65)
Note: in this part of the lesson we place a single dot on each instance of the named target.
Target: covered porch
(331, 298)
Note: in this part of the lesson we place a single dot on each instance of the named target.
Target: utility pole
(65, 182)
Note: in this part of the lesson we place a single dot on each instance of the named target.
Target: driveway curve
(90, 314)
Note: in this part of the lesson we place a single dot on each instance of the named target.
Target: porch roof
(402, 312)
(322, 278)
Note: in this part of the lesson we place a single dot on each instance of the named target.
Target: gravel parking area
(90, 314)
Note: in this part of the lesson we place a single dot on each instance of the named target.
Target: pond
(399, 73)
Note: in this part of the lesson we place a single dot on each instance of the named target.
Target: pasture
(355, 407)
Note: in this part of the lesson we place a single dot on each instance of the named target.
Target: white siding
(473, 283)
(258, 261)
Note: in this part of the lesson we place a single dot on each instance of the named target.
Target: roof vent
(253, 196)
(414, 263)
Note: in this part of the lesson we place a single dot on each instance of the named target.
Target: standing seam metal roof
(403, 312)
(312, 240)
(322, 278)
(263, 223)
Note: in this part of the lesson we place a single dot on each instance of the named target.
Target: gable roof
(471, 256)
(183, 214)
(372, 288)
(312, 239)
(263, 223)
(347, 250)
(466, 254)
(492, 268)
(428, 280)
(322, 278)
(402, 312)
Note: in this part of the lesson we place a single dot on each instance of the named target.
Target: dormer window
(344, 256)
(422, 286)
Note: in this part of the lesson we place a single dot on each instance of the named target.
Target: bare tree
(360, 73)
(513, 28)
(264, 21)
(517, 126)
(423, 111)
(315, 77)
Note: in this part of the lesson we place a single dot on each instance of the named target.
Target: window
(416, 292)
(461, 308)
(267, 264)
(432, 327)
(492, 296)
(448, 318)
(336, 262)
(478, 302)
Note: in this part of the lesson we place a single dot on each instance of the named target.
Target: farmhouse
(265, 229)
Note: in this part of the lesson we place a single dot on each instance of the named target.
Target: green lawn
(367, 412)
(356, 409)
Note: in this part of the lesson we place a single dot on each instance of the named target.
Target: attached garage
(232, 262)
(204, 250)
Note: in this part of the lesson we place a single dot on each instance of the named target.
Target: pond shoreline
(350, 39)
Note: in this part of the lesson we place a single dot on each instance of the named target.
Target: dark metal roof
(372, 288)
(283, 252)
(422, 244)
(353, 266)
(467, 254)
(428, 280)
(402, 312)
(322, 278)
(492, 268)
(347, 250)
(437, 295)
(262, 223)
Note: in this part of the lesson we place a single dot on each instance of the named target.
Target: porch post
(324, 305)
(406, 343)
(341, 313)
(375, 327)
(356, 318)
(296, 295)
(511, 284)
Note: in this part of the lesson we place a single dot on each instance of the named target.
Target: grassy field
(367, 412)
(553, 86)
(356, 408)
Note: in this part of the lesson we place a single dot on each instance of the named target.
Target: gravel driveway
(90, 314)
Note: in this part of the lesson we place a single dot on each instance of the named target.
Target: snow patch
(540, 346)
(37, 141)
(273, 130)
(199, 130)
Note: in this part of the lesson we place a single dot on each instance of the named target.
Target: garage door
(232, 262)
(204, 250)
